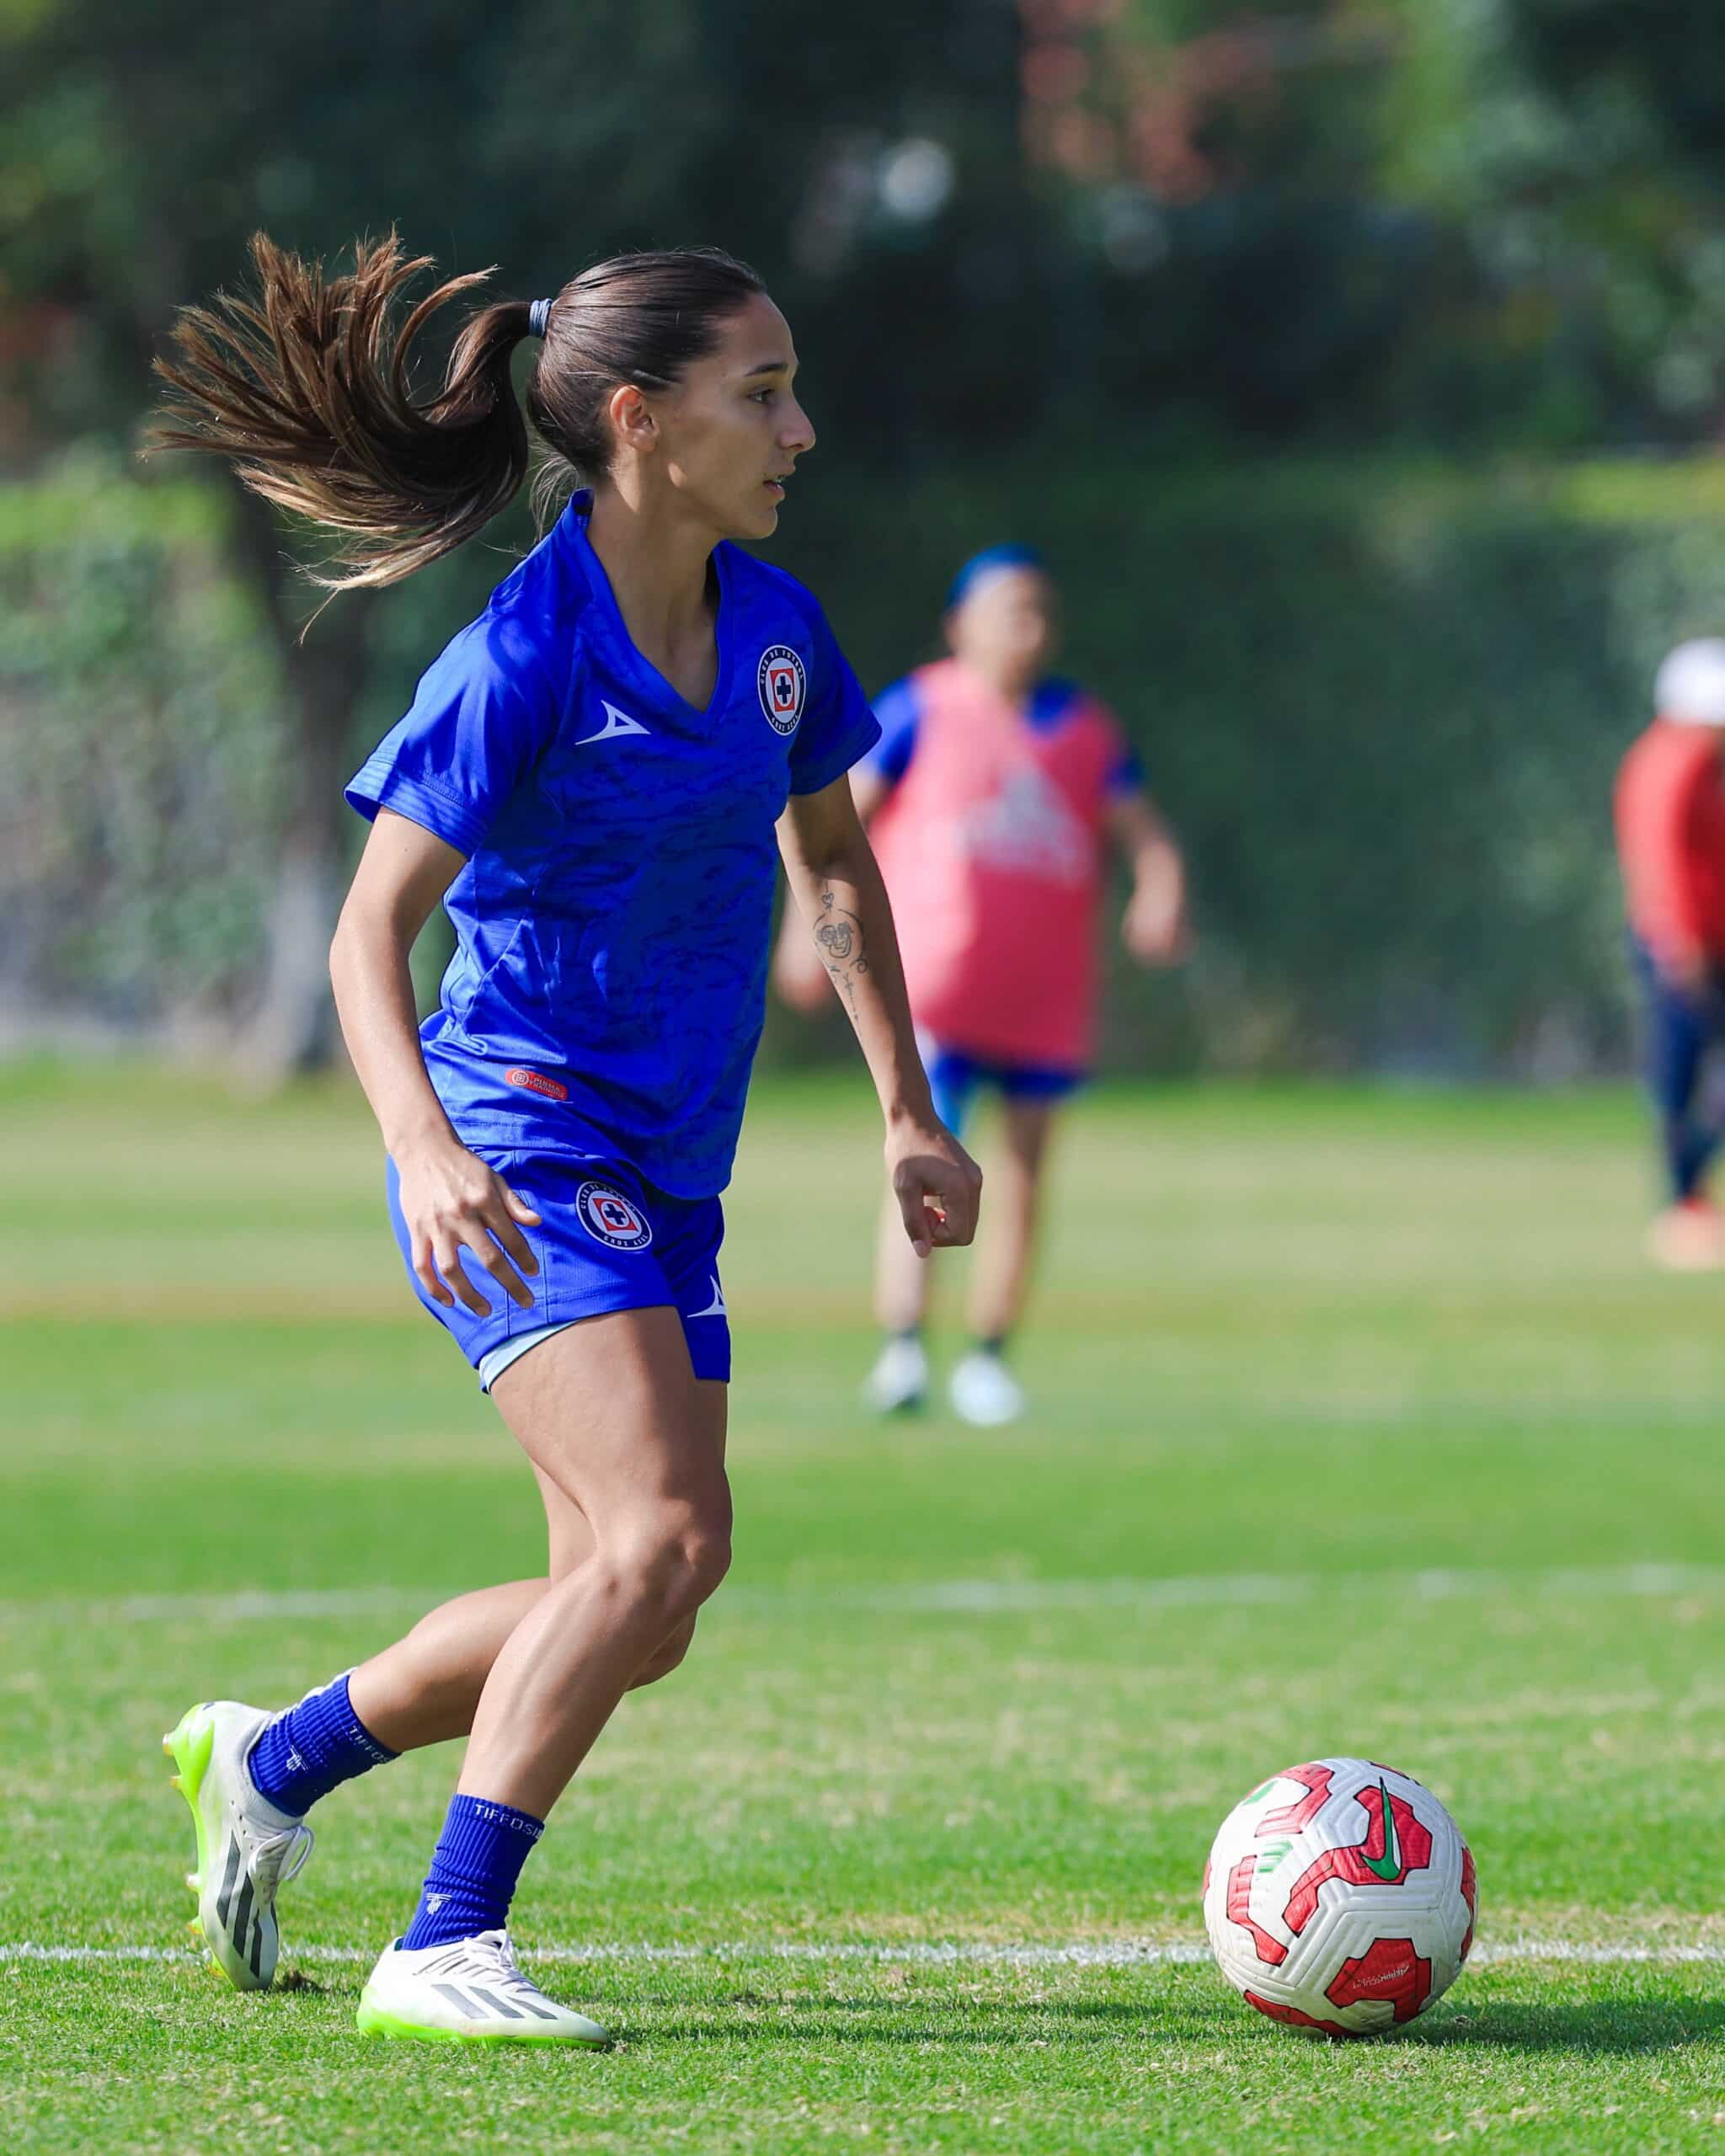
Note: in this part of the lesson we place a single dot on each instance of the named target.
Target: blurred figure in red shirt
(994, 799)
(1670, 813)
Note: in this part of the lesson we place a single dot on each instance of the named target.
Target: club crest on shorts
(783, 685)
(612, 1219)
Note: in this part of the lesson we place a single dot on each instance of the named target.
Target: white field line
(1026, 1954)
(949, 1597)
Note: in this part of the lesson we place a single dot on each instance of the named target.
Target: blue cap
(985, 564)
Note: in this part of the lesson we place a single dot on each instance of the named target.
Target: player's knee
(700, 1558)
(669, 1564)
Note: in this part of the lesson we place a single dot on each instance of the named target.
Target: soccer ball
(1339, 1898)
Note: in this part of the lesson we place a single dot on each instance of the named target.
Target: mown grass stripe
(956, 1597)
(1087, 1954)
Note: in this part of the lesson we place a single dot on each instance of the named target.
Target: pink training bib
(991, 847)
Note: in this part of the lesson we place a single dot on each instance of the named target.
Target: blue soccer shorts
(606, 1241)
(954, 1075)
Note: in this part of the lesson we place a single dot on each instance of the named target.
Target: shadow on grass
(1605, 2026)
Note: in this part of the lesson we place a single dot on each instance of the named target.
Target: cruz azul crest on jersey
(612, 1219)
(783, 687)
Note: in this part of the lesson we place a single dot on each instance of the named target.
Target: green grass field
(1361, 1427)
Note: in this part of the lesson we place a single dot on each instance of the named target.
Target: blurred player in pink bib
(991, 796)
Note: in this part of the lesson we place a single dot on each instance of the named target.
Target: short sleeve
(480, 720)
(1125, 770)
(1125, 773)
(898, 710)
(838, 728)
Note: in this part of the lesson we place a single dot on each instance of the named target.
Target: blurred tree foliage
(1460, 221)
(868, 160)
(1042, 257)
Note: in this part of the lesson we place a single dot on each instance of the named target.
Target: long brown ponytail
(306, 388)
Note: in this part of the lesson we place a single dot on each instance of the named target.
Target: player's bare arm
(800, 973)
(453, 1204)
(1155, 927)
(836, 888)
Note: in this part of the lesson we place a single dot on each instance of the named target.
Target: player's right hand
(453, 1204)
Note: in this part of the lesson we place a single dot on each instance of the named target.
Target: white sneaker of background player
(984, 1391)
(465, 1991)
(899, 1378)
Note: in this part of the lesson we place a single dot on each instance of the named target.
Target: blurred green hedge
(1381, 703)
(140, 754)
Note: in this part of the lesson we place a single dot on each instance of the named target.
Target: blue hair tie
(538, 315)
(991, 559)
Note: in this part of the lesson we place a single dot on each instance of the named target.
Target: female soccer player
(591, 779)
(992, 791)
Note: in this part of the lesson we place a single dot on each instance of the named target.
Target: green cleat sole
(189, 1744)
(373, 2021)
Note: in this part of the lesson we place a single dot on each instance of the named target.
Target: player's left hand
(936, 1183)
(1154, 929)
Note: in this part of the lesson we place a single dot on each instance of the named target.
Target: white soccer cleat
(984, 1391)
(899, 1379)
(246, 1847)
(468, 1991)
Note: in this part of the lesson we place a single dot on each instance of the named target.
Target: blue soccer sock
(312, 1748)
(472, 1882)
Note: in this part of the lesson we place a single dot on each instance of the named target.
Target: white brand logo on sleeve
(611, 1219)
(615, 721)
(783, 685)
(716, 1308)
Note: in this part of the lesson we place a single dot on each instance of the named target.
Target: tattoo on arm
(838, 934)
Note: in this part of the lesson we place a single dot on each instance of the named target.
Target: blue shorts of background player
(954, 1076)
(606, 1241)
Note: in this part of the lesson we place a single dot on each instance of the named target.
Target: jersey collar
(626, 661)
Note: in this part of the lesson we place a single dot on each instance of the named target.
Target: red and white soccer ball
(1339, 1898)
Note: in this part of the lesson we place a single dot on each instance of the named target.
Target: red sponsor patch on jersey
(534, 1081)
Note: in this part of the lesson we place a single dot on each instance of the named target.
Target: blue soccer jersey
(612, 917)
